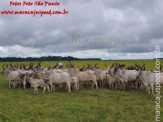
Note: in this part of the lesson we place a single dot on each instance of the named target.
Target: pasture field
(150, 64)
(86, 105)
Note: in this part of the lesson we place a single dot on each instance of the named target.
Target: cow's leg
(119, 83)
(61, 86)
(135, 85)
(14, 85)
(99, 83)
(44, 88)
(108, 85)
(9, 83)
(20, 85)
(51, 85)
(152, 89)
(87, 84)
(124, 86)
(146, 88)
(102, 83)
(24, 84)
(48, 88)
(127, 85)
(35, 90)
(95, 82)
(67, 86)
(149, 89)
(80, 85)
(116, 85)
(130, 85)
(76, 86)
(69, 89)
(111, 85)
(92, 86)
(139, 85)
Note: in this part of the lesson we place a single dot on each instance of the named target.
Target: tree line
(44, 58)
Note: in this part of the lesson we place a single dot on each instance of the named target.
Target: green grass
(86, 105)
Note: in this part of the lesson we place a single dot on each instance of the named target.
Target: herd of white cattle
(115, 77)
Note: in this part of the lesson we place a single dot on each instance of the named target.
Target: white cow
(15, 77)
(149, 78)
(35, 83)
(127, 76)
(74, 83)
(84, 76)
(59, 78)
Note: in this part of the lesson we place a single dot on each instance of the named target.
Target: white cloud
(19, 51)
(24, 35)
